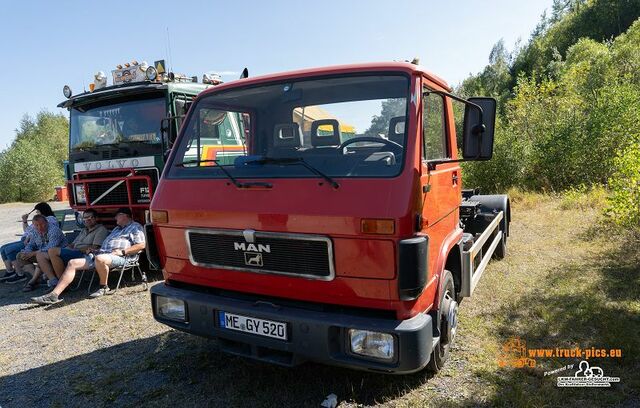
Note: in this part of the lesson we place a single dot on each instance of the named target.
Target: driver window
(434, 138)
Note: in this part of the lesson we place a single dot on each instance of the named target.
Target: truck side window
(180, 111)
(434, 140)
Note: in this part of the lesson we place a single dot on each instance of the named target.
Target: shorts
(116, 261)
(68, 254)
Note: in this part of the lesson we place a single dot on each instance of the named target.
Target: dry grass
(565, 282)
(584, 198)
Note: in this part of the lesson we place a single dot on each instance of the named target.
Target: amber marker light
(376, 226)
(159, 217)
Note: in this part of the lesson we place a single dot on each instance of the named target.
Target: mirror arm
(478, 129)
(459, 99)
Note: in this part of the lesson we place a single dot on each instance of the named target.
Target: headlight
(170, 308)
(99, 80)
(81, 198)
(66, 90)
(372, 344)
(151, 73)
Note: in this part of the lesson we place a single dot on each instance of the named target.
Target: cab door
(440, 182)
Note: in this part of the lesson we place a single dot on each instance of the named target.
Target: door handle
(454, 178)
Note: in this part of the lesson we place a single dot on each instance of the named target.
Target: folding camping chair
(132, 264)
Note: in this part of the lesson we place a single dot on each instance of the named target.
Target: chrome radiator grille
(308, 256)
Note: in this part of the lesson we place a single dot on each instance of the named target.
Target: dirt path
(563, 284)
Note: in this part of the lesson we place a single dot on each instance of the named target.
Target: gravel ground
(10, 221)
(557, 286)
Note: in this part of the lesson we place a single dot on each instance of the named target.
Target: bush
(566, 130)
(624, 200)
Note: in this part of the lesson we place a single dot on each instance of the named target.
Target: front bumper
(313, 335)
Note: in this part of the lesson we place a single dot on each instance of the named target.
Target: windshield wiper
(294, 160)
(235, 181)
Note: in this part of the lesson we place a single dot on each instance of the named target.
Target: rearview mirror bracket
(479, 123)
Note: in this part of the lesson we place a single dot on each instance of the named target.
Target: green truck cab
(120, 134)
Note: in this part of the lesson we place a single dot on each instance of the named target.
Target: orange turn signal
(92, 87)
(159, 217)
(376, 226)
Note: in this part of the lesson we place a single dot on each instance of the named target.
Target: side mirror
(479, 127)
(166, 132)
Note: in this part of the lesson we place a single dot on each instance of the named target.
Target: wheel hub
(449, 319)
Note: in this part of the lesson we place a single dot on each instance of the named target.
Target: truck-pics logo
(514, 354)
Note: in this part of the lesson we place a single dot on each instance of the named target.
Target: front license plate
(261, 327)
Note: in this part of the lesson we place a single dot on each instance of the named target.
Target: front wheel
(447, 322)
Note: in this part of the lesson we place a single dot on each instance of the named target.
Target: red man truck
(340, 232)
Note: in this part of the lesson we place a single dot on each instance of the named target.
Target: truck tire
(446, 319)
(501, 249)
(495, 203)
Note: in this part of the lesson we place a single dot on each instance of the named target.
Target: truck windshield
(115, 124)
(351, 126)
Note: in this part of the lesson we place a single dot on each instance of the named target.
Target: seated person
(126, 239)
(44, 235)
(10, 251)
(53, 262)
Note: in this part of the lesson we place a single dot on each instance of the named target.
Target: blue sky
(47, 44)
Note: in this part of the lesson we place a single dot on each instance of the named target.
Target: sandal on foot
(30, 287)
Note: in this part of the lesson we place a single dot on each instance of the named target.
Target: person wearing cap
(125, 241)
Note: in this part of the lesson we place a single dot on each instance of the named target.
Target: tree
(32, 166)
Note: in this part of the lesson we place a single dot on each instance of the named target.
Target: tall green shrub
(624, 200)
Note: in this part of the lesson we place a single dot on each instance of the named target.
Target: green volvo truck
(120, 134)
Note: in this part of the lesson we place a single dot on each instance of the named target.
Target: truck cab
(325, 226)
(119, 136)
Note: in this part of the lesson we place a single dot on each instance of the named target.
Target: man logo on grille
(241, 246)
(253, 259)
